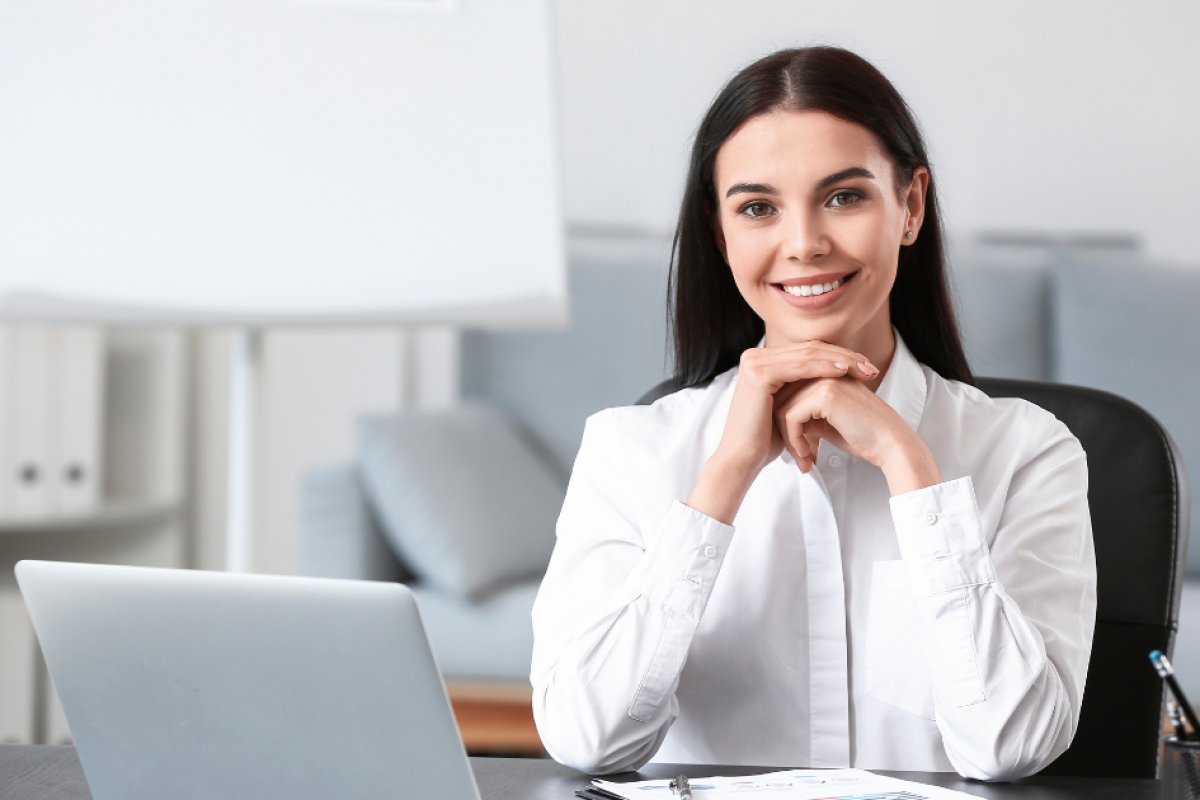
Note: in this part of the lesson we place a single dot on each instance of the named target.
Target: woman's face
(811, 225)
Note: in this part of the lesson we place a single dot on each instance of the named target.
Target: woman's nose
(806, 238)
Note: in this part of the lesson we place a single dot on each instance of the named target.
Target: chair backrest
(1137, 493)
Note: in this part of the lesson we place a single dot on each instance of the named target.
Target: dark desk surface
(38, 772)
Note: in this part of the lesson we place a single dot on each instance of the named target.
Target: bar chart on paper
(818, 784)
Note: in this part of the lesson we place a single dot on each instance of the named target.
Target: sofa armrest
(339, 535)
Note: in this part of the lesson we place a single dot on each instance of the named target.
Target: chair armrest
(339, 535)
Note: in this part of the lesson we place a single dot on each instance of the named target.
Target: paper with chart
(808, 784)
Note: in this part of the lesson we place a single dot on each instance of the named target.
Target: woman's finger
(833, 351)
(846, 414)
(814, 440)
(776, 367)
(804, 456)
(855, 364)
(818, 349)
(791, 427)
(804, 420)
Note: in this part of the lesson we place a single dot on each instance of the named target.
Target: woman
(911, 583)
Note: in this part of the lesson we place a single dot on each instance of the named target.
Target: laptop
(186, 684)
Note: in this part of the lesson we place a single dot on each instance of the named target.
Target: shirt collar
(903, 386)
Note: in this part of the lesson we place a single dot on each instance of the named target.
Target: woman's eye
(843, 199)
(757, 210)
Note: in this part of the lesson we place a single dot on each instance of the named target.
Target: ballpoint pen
(1176, 715)
(1167, 673)
(681, 787)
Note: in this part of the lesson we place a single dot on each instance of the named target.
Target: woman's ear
(914, 201)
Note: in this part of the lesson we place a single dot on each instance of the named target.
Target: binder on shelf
(26, 427)
(51, 419)
(76, 394)
(18, 665)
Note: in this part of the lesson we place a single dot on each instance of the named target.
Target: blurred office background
(1062, 136)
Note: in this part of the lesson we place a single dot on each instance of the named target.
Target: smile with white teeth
(808, 290)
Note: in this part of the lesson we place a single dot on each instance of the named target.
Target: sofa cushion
(341, 537)
(487, 640)
(1129, 327)
(467, 503)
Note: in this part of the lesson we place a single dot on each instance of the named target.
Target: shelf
(116, 515)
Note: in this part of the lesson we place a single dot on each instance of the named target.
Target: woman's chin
(872, 336)
(795, 334)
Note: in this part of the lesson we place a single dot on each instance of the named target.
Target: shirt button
(835, 461)
(710, 551)
(931, 519)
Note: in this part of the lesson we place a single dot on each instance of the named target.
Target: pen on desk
(594, 792)
(1166, 672)
(681, 787)
(1176, 716)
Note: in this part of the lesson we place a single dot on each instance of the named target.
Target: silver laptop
(184, 684)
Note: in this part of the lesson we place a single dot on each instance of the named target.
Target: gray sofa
(1076, 311)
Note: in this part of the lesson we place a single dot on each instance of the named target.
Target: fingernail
(867, 367)
(840, 365)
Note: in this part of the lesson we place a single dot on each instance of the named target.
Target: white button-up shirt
(946, 628)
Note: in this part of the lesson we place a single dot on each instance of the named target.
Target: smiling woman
(856, 99)
(847, 223)
(911, 584)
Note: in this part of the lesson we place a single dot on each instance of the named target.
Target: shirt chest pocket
(897, 672)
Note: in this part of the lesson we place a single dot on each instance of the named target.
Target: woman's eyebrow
(838, 177)
(751, 188)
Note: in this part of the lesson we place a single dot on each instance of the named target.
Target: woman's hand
(853, 418)
(752, 439)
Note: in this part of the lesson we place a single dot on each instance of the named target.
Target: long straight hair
(712, 324)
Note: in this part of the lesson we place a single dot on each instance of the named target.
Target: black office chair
(1139, 503)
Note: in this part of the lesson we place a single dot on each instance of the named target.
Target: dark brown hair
(712, 323)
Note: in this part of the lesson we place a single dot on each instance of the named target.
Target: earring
(908, 235)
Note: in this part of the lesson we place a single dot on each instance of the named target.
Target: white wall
(1066, 115)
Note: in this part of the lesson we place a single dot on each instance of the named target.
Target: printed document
(809, 784)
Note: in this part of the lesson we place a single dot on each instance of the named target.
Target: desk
(39, 772)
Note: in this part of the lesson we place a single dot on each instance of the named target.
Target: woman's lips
(817, 295)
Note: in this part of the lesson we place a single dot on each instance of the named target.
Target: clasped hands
(791, 397)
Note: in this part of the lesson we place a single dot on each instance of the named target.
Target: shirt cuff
(684, 558)
(941, 538)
